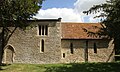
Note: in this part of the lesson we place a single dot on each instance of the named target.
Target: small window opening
(46, 30)
(42, 45)
(39, 30)
(63, 55)
(71, 48)
(95, 48)
(42, 30)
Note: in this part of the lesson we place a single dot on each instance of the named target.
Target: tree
(110, 11)
(15, 13)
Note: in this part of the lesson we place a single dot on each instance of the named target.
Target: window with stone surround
(63, 55)
(43, 30)
(42, 46)
(95, 48)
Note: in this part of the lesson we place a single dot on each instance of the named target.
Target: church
(52, 41)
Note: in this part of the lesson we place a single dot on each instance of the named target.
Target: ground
(72, 67)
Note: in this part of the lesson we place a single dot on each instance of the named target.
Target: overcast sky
(68, 10)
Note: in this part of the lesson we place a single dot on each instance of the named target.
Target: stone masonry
(26, 44)
(44, 44)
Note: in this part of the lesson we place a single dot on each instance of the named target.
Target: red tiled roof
(77, 30)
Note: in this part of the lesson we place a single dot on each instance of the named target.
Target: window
(46, 30)
(43, 30)
(39, 30)
(63, 55)
(42, 45)
(95, 48)
(71, 48)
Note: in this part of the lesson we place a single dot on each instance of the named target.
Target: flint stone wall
(27, 44)
(105, 51)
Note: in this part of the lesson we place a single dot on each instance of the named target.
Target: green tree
(110, 11)
(15, 13)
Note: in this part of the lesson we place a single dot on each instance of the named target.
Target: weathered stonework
(104, 50)
(25, 46)
(78, 51)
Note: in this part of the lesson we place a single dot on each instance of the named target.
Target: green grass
(73, 67)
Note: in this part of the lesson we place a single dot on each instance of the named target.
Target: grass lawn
(73, 67)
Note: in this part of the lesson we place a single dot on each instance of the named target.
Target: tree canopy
(110, 11)
(18, 10)
(15, 13)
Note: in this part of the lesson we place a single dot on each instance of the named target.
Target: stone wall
(27, 44)
(105, 52)
(78, 51)
(26, 47)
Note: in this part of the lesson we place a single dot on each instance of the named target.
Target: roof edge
(59, 20)
(85, 39)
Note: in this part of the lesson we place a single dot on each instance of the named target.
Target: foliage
(73, 67)
(15, 13)
(19, 11)
(110, 11)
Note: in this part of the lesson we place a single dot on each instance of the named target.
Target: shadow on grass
(3, 65)
(85, 67)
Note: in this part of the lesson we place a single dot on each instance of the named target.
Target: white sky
(74, 14)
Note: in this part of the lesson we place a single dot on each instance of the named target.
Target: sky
(68, 10)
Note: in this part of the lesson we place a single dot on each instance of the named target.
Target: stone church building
(53, 41)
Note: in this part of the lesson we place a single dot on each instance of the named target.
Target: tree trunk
(117, 49)
(2, 46)
(117, 46)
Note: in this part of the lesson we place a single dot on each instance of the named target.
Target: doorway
(9, 54)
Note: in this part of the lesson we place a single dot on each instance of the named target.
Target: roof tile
(77, 30)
